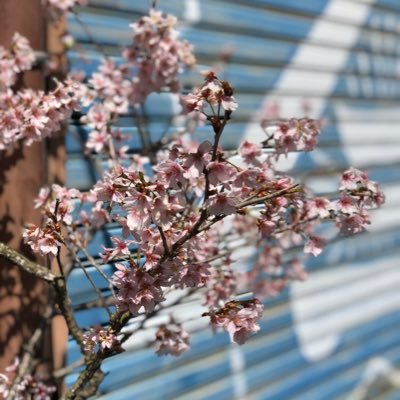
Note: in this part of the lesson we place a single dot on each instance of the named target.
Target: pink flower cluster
(102, 139)
(137, 288)
(238, 318)
(112, 84)
(31, 387)
(158, 54)
(271, 273)
(98, 338)
(296, 135)
(152, 64)
(171, 339)
(179, 220)
(26, 114)
(221, 286)
(31, 116)
(19, 58)
(58, 205)
(212, 95)
(357, 195)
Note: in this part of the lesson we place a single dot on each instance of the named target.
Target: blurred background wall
(335, 336)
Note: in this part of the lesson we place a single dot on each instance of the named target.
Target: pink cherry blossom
(221, 203)
(219, 172)
(314, 245)
(171, 339)
(250, 152)
(239, 319)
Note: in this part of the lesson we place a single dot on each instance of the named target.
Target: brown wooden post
(22, 173)
(56, 158)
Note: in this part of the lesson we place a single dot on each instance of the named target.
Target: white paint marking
(323, 310)
(322, 29)
(192, 12)
(238, 365)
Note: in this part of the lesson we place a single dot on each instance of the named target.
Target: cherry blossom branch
(28, 361)
(26, 264)
(259, 200)
(143, 133)
(218, 129)
(94, 361)
(126, 335)
(191, 189)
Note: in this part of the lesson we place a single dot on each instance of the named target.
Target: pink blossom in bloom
(296, 135)
(221, 285)
(171, 339)
(19, 58)
(197, 161)
(346, 204)
(219, 172)
(40, 241)
(221, 203)
(239, 319)
(319, 207)
(351, 178)
(100, 338)
(352, 224)
(214, 92)
(97, 141)
(158, 54)
(136, 289)
(43, 196)
(194, 275)
(171, 173)
(250, 152)
(120, 250)
(314, 245)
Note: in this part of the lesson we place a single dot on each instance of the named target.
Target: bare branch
(252, 201)
(27, 265)
(28, 361)
(64, 303)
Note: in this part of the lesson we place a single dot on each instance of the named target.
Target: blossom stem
(89, 278)
(252, 201)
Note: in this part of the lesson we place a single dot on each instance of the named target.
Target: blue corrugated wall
(327, 338)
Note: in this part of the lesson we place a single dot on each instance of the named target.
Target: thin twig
(98, 268)
(89, 35)
(89, 278)
(252, 201)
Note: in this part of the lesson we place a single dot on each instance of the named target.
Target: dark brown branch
(64, 303)
(164, 240)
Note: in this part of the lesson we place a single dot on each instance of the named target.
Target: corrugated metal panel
(319, 339)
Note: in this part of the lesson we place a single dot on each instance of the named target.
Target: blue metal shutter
(329, 337)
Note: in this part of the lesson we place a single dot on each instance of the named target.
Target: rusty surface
(22, 172)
